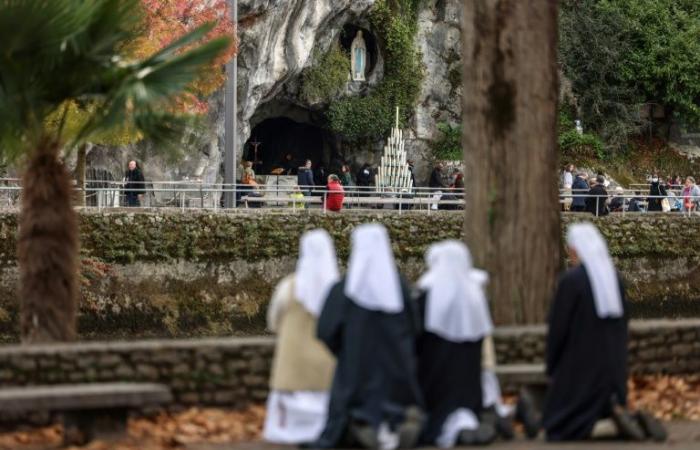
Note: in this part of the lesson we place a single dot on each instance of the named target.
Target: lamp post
(230, 121)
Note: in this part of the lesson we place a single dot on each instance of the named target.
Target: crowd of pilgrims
(366, 360)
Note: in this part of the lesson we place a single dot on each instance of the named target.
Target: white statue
(358, 57)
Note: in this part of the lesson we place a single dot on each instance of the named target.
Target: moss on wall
(165, 273)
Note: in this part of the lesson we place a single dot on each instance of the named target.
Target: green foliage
(395, 21)
(63, 51)
(577, 148)
(326, 79)
(449, 146)
(621, 54)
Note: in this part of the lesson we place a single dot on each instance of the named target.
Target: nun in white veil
(369, 323)
(302, 368)
(457, 320)
(586, 354)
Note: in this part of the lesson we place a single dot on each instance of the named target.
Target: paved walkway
(683, 436)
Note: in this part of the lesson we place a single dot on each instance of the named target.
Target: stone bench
(87, 410)
(514, 376)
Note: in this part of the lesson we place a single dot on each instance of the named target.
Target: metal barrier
(198, 195)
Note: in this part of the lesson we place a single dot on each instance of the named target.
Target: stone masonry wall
(172, 274)
(235, 371)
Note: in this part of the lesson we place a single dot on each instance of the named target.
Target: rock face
(279, 39)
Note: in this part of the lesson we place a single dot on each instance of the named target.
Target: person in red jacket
(336, 194)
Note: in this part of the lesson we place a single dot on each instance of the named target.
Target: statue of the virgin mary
(358, 57)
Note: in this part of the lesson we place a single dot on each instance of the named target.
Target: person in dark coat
(656, 189)
(597, 200)
(134, 185)
(580, 185)
(456, 319)
(370, 323)
(364, 179)
(411, 170)
(436, 180)
(305, 178)
(586, 356)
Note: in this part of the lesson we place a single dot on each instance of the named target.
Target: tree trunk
(47, 250)
(80, 174)
(510, 120)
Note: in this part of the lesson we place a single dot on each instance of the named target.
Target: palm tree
(54, 54)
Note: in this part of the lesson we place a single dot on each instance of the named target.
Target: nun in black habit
(370, 324)
(587, 344)
(456, 319)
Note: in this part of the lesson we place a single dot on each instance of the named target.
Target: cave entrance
(278, 136)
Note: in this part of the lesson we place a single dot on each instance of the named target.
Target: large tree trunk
(47, 250)
(80, 174)
(510, 119)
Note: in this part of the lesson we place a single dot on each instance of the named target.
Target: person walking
(134, 186)
(345, 176)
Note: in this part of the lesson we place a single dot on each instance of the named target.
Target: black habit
(449, 374)
(375, 377)
(586, 360)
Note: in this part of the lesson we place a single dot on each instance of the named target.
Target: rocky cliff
(279, 40)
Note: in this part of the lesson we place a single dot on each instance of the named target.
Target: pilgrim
(370, 324)
(302, 367)
(456, 320)
(586, 355)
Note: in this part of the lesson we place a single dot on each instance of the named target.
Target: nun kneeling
(587, 349)
(302, 368)
(369, 323)
(456, 317)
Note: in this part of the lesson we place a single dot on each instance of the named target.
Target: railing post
(597, 205)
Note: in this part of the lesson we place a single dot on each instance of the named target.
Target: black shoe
(504, 427)
(365, 435)
(627, 426)
(484, 435)
(409, 431)
(526, 413)
(652, 427)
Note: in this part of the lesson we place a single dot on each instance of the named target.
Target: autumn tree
(510, 148)
(63, 52)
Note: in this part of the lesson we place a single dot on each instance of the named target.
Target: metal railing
(187, 194)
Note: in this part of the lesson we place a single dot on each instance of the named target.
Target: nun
(369, 323)
(456, 320)
(586, 355)
(302, 367)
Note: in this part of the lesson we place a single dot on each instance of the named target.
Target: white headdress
(456, 307)
(373, 281)
(317, 270)
(593, 252)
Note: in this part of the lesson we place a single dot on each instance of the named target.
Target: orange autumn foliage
(167, 20)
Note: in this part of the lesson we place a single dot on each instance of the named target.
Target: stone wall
(235, 371)
(168, 274)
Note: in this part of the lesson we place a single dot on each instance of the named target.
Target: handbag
(665, 205)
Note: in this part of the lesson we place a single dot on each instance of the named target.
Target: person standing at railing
(305, 178)
(345, 177)
(578, 204)
(411, 170)
(335, 195)
(134, 184)
(656, 192)
(436, 180)
(691, 195)
(597, 200)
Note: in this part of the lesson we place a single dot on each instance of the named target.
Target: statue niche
(358, 57)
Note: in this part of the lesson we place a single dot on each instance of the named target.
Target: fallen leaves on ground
(667, 397)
